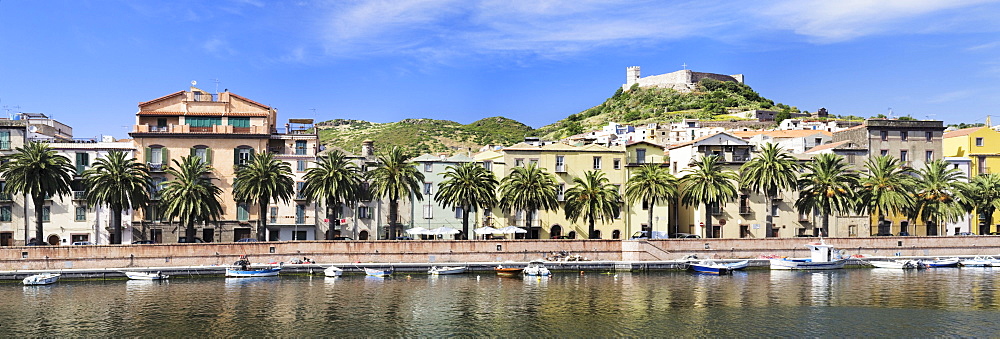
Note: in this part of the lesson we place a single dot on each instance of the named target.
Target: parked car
(904, 234)
(247, 240)
(883, 235)
(36, 244)
(342, 238)
(143, 242)
(685, 236)
(184, 240)
(965, 233)
(82, 243)
(404, 238)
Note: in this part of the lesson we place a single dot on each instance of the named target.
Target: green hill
(419, 136)
(640, 105)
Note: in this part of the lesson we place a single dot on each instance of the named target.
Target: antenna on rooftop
(216, 85)
(685, 65)
(890, 113)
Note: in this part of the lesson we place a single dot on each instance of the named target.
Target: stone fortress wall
(683, 80)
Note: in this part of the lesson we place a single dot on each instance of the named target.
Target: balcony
(79, 195)
(6, 197)
(560, 168)
(156, 167)
(5, 145)
(560, 197)
(745, 209)
(804, 217)
(634, 161)
(182, 129)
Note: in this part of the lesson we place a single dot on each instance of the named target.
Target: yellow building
(224, 130)
(982, 146)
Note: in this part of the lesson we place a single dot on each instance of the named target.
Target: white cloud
(951, 96)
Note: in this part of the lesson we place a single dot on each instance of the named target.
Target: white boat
(979, 261)
(537, 268)
(896, 264)
(378, 273)
(249, 272)
(709, 266)
(938, 262)
(822, 257)
(447, 270)
(333, 271)
(739, 265)
(146, 275)
(41, 279)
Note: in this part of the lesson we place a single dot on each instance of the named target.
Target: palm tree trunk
(116, 221)
(826, 225)
(527, 223)
(262, 222)
(330, 217)
(189, 231)
(768, 218)
(650, 220)
(39, 233)
(590, 228)
(393, 218)
(465, 222)
(708, 222)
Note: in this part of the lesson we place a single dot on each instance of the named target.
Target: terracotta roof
(161, 98)
(250, 101)
(696, 140)
(158, 113)
(231, 114)
(521, 146)
(795, 133)
(827, 146)
(630, 143)
(853, 128)
(746, 134)
(961, 132)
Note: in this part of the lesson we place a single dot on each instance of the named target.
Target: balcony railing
(79, 195)
(561, 168)
(745, 209)
(634, 161)
(6, 197)
(5, 145)
(156, 167)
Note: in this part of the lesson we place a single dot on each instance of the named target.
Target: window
(300, 147)
(364, 212)
(242, 213)
(533, 161)
(242, 155)
(428, 167)
(81, 214)
(980, 142)
(203, 121)
(928, 156)
(597, 163)
(46, 212)
(5, 140)
(300, 190)
(929, 136)
(274, 215)
(488, 165)
(903, 155)
(714, 208)
(818, 141)
(428, 211)
(519, 162)
(427, 188)
(157, 158)
(903, 135)
(744, 204)
(560, 163)
(300, 214)
(458, 212)
(5, 213)
(561, 192)
(775, 210)
(640, 156)
(981, 164)
(884, 152)
(82, 162)
(300, 165)
(884, 135)
(617, 163)
(239, 122)
(203, 153)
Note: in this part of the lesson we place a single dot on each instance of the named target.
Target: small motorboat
(896, 264)
(378, 273)
(709, 266)
(447, 270)
(938, 262)
(536, 268)
(333, 271)
(146, 275)
(823, 257)
(739, 265)
(242, 269)
(41, 279)
(978, 261)
(508, 271)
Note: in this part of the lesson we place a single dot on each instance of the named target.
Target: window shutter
(252, 153)
(208, 154)
(149, 155)
(193, 151)
(165, 157)
(236, 156)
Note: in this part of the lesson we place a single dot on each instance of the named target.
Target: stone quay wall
(164, 255)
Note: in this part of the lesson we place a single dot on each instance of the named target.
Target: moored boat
(146, 275)
(41, 279)
(447, 270)
(739, 265)
(946, 262)
(823, 257)
(537, 268)
(333, 271)
(242, 269)
(709, 266)
(378, 273)
(979, 261)
(896, 264)
(508, 271)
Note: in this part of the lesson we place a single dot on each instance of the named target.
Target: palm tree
(592, 197)
(982, 195)
(467, 186)
(190, 196)
(395, 178)
(707, 183)
(262, 180)
(885, 187)
(120, 183)
(772, 170)
(334, 180)
(938, 189)
(528, 189)
(651, 184)
(828, 185)
(40, 172)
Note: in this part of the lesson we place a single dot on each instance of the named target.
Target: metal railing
(79, 195)
(156, 167)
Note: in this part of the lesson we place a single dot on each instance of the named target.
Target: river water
(849, 302)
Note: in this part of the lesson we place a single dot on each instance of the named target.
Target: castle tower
(632, 75)
(368, 149)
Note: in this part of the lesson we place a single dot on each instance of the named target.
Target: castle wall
(683, 80)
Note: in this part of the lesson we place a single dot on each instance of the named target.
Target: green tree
(828, 186)
(592, 197)
(333, 181)
(528, 189)
(885, 188)
(982, 195)
(395, 178)
(37, 171)
(466, 186)
(769, 172)
(937, 191)
(652, 184)
(263, 180)
(120, 183)
(190, 195)
(707, 183)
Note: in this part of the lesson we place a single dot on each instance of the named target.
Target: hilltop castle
(683, 80)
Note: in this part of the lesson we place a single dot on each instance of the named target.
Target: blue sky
(88, 63)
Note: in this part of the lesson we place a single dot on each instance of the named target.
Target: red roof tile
(250, 101)
(160, 98)
(961, 132)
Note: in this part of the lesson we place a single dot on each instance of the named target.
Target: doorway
(363, 235)
(208, 235)
(240, 233)
(6, 238)
(556, 232)
(716, 232)
(616, 234)
(571, 235)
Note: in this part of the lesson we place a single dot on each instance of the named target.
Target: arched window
(616, 234)
(157, 158)
(202, 152)
(242, 155)
(556, 232)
